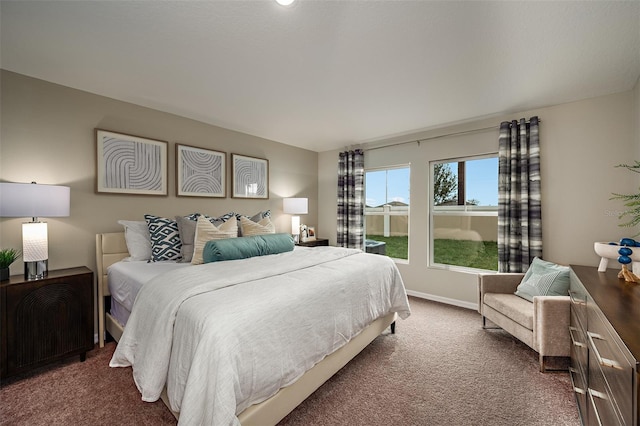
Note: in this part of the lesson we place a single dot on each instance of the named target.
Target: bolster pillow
(244, 247)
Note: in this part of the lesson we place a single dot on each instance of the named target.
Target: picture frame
(249, 177)
(311, 234)
(200, 172)
(127, 164)
(307, 233)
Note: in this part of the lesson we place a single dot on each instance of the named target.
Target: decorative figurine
(624, 259)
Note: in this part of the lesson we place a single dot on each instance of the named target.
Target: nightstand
(45, 320)
(315, 243)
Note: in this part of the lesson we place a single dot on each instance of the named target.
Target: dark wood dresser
(45, 320)
(605, 352)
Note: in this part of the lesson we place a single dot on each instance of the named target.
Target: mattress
(125, 280)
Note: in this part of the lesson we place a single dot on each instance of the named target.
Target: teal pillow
(544, 279)
(245, 247)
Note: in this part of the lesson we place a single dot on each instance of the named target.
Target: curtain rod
(482, 129)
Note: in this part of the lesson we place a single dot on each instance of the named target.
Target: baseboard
(446, 300)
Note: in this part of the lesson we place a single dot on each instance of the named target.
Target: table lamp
(34, 200)
(295, 206)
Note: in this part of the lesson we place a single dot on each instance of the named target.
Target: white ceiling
(326, 74)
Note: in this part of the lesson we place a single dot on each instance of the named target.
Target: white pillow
(250, 228)
(207, 231)
(136, 235)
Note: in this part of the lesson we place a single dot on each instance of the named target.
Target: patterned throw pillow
(165, 237)
(544, 279)
(206, 231)
(250, 228)
(217, 221)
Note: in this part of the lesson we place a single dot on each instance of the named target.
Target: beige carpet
(440, 368)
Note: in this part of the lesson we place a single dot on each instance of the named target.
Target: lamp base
(36, 270)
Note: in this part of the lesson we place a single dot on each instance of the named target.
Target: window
(464, 213)
(387, 212)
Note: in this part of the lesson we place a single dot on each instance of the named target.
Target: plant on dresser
(7, 257)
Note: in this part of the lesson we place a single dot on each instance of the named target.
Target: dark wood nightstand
(45, 320)
(317, 242)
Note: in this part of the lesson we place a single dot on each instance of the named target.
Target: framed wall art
(249, 177)
(200, 172)
(129, 164)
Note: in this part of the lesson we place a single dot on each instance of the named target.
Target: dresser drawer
(578, 296)
(602, 408)
(579, 342)
(611, 358)
(579, 383)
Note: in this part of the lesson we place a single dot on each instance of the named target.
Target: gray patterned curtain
(351, 199)
(519, 209)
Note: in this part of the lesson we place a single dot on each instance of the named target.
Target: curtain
(351, 199)
(519, 207)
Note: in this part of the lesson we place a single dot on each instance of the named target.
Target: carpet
(440, 368)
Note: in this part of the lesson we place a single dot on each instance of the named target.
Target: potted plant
(632, 201)
(7, 257)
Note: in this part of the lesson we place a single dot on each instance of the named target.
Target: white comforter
(225, 335)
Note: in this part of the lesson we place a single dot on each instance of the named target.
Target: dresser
(605, 346)
(45, 320)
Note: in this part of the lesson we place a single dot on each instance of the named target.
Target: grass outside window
(464, 253)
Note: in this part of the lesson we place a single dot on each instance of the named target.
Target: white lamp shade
(33, 200)
(296, 205)
(34, 242)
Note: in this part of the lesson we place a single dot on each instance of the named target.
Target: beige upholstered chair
(543, 325)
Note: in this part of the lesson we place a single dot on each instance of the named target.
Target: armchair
(542, 325)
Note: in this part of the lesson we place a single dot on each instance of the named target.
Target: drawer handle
(576, 389)
(605, 362)
(575, 300)
(600, 395)
(574, 341)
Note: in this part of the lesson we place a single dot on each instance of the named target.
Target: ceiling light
(285, 2)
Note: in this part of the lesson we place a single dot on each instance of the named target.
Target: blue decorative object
(625, 260)
(628, 242)
(625, 251)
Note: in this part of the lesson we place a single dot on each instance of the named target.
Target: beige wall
(581, 142)
(47, 136)
(636, 118)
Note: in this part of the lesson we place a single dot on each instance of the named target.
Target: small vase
(4, 274)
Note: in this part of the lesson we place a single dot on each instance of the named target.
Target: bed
(263, 409)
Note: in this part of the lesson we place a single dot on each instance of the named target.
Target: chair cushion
(512, 306)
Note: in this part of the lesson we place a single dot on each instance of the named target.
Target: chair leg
(485, 327)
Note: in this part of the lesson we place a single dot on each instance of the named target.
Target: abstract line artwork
(200, 172)
(130, 164)
(249, 177)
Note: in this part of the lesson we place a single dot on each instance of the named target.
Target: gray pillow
(544, 279)
(187, 231)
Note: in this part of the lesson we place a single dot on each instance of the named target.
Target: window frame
(454, 210)
(387, 168)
